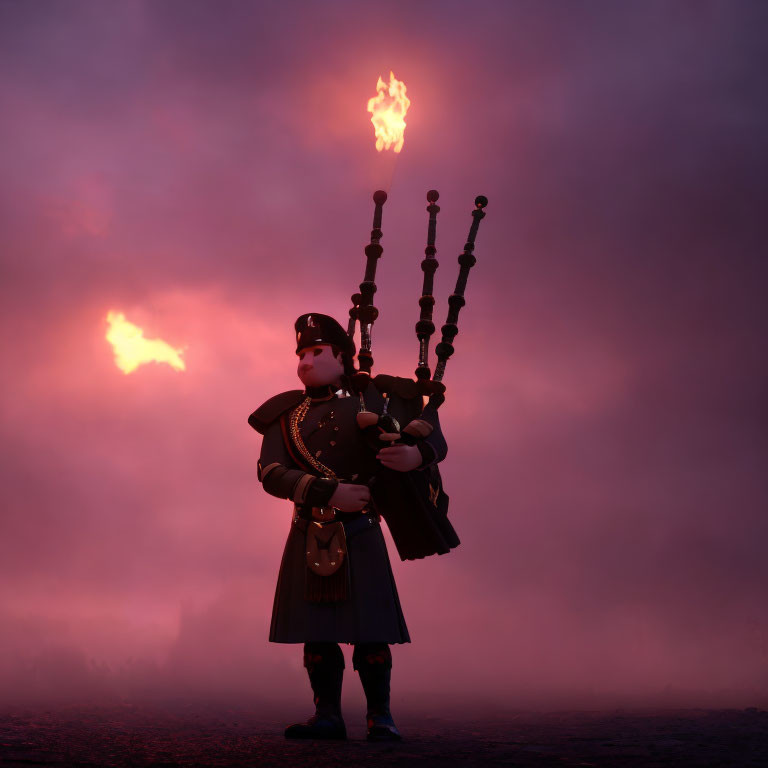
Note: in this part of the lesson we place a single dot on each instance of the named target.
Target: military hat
(314, 328)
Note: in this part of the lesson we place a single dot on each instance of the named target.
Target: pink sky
(605, 412)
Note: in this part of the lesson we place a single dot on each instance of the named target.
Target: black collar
(320, 393)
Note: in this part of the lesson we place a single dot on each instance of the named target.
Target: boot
(325, 667)
(373, 662)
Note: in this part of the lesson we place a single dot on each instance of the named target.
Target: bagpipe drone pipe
(414, 504)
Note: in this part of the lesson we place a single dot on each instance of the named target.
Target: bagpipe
(414, 504)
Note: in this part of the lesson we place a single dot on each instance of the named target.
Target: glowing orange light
(132, 349)
(388, 109)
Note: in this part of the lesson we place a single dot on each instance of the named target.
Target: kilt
(370, 614)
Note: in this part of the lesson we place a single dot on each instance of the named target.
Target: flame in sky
(388, 109)
(133, 350)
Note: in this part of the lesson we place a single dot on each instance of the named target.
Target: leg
(325, 667)
(373, 662)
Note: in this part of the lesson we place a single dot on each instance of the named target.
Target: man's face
(318, 366)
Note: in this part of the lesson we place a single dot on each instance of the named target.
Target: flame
(133, 350)
(388, 109)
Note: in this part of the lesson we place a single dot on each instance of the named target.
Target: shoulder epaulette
(266, 413)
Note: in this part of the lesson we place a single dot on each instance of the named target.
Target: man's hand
(350, 498)
(402, 458)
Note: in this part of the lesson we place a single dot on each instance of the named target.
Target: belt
(354, 522)
(330, 514)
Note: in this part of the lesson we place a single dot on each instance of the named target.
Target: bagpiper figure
(337, 450)
(335, 583)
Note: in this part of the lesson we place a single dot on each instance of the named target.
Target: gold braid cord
(297, 416)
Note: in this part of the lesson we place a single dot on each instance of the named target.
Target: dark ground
(193, 736)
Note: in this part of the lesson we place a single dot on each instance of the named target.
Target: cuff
(320, 491)
(428, 454)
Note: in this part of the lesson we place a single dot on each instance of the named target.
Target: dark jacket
(372, 611)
